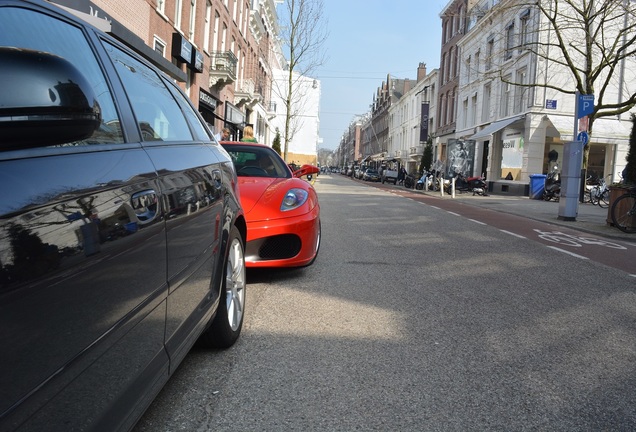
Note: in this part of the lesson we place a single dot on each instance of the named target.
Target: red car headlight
(294, 199)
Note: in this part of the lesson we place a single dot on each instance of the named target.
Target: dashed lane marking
(513, 234)
(568, 252)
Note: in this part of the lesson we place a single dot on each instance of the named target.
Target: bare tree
(592, 42)
(303, 33)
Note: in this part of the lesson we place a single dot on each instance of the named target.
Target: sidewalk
(590, 218)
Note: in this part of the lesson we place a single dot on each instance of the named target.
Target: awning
(604, 130)
(377, 156)
(494, 127)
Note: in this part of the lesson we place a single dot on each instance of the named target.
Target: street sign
(583, 137)
(551, 104)
(586, 105)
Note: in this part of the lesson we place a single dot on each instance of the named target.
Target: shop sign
(207, 99)
(197, 61)
(181, 48)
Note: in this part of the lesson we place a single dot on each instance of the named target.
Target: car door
(83, 255)
(184, 157)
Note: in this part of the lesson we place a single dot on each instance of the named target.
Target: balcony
(417, 151)
(222, 68)
(271, 110)
(245, 93)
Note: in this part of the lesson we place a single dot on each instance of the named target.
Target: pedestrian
(248, 134)
(402, 175)
(224, 135)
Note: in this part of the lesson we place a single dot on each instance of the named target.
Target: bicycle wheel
(587, 196)
(624, 213)
(603, 199)
(594, 195)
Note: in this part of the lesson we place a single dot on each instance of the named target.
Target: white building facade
(305, 123)
(412, 121)
(513, 125)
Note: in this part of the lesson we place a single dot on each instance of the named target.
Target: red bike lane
(610, 252)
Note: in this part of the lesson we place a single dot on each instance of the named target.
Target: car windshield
(253, 161)
(371, 171)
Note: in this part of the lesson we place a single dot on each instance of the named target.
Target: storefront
(512, 149)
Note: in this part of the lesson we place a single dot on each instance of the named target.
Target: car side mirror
(44, 100)
(306, 170)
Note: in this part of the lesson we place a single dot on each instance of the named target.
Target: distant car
(281, 209)
(121, 231)
(371, 175)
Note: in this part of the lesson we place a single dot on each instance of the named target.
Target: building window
(240, 24)
(161, 6)
(223, 38)
(465, 113)
(476, 65)
(456, 63)
(521, 99)
(473, 110)
(177, 13)
(215, 36)
(510, 40)
(468, 77)
(506, 103)
(160, 46)
(485, 107)
(193, 18)
(490, 49)
(442, 69)
(524, 29)
(206, 32)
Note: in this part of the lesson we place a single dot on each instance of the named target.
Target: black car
(121, 234)
(371, 175)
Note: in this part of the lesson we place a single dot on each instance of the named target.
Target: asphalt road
(418, 318)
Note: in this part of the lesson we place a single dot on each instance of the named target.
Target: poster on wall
(512, 154)
(460, 157)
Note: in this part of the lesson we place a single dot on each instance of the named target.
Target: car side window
(26, 29)
(200, 130)
(158, 115)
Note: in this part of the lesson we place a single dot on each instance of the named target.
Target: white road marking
(568, 252)
(512, 234)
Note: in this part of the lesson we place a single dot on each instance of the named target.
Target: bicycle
(600, 194)
(624, 212)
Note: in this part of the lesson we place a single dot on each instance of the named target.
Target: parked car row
(362, 173)
(123, 226)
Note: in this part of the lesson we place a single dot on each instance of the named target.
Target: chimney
(421, 72)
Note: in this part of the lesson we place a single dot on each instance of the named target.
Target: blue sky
(369, 39)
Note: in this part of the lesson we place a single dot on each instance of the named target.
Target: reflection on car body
(118, 250)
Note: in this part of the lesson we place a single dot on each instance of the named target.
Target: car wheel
(226, 325)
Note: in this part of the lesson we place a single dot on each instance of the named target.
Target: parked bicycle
(599, 194)
(624, 212)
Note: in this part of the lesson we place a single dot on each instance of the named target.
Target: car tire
(228, 321)
(318, 241)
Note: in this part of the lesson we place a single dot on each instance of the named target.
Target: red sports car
(281, 208)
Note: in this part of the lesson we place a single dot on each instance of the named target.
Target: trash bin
(537, 185)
